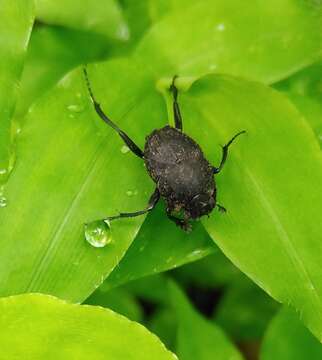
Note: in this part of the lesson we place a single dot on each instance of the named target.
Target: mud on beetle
(184, 178)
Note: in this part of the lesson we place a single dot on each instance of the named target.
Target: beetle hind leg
(129, 142)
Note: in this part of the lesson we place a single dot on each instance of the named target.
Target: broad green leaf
(52, 52)
(288, 339)
(119, 300)
(67, 173)
(271, 179)
(101, 17)
(264, 40)
(160, 246)
(16, 20)
(198, 338)
(38, 327)
(244, 311)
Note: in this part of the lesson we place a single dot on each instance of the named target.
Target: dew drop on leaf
(124, 149)
(75, 108)
(98, 233)
(3, 201)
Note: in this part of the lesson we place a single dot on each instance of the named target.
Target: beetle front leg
(221, 208)
(216, 170)
(155, 197)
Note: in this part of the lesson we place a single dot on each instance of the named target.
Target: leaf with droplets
(69, 164)
(52, 52)
(264, 41)
(39, 327)
(16, 20)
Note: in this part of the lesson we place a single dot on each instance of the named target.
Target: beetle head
(200, 205)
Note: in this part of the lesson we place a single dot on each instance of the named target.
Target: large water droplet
(98, 233)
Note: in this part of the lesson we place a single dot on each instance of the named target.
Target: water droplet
(123, 32)
(169, 259)
(124, 149)
(142, 248)
(3, 201)
(212, 66)
(195, 253)
(129, 193)
(79, 95)
(98, 233)
(221, 27)
(75, 108)
(3, 171)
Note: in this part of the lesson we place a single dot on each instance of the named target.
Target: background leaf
(72, 331)
(245, 311)
(265, 41)
(288, 339)
(16, 19)
(197, 338)
(103, 18)
(52, 52)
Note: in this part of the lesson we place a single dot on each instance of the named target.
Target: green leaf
(273, 175)
(288, 339)
(264, 40)
(16, 20)
(163, 323)
(39, 327)
(103, 18)
(198, 338)
(216, 269)
(304, 89)
(119, 300)
(155, 251)
(52, 52)
(68, 172)
(245, 310)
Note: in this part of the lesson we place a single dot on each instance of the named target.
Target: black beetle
(176, 163)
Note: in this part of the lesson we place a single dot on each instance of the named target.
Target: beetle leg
(182, 223)
(155, 197)
(175, 106)
(221, 208)
(130, 143)
(216, 170)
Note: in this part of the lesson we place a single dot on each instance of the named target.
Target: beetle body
(183, 175)
(176, 163)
